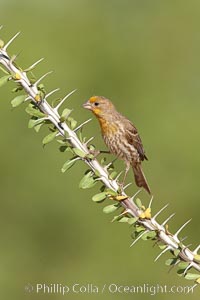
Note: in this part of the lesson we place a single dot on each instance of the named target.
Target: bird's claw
(94, 152)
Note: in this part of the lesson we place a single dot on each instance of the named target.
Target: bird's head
(99, 105)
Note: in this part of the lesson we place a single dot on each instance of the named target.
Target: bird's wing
(134, 139)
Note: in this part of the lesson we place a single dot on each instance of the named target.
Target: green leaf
(65, 114)
(17, 89)
(18, 100)
(197, 257)
(65, 148)
(87, 181)
(37, 127)
(97, 173)
(111, 166)
(176, 252)
(183, 264)
(99, 197)
(49, 138)
(103, 161)
(162, 247)
(110, 192)
(170, 261)
(123, 220)
(138, 202)
(192, 276)
(79, 152)
(72, 122)
(33, 111)
(180, 272)
(91, 147)
(116, 218)
(110, 208)
(113, 175)
(34, 122)
(1, 44)
(90, 156)
(80, 135)
(40, 87)
(139, 228)
(4, 80)
(62, 142)
(67, 165)
(149, 235)
(132, 221)
(152, 234)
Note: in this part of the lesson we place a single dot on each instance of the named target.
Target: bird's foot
(94, 153)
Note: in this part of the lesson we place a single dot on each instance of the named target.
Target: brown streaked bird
(120, 136)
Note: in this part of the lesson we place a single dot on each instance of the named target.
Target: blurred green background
(145, 56)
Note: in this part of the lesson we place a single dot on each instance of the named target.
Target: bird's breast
(114, 137)
(112, 133)
(107, 127)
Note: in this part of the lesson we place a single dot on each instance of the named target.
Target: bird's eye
(96, 103)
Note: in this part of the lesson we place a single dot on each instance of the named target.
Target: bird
(120, 136)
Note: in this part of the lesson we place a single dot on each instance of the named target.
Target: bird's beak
(87, 105)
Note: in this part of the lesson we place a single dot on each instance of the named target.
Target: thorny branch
(143, 217)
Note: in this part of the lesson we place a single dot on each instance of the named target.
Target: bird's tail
(140, 177)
